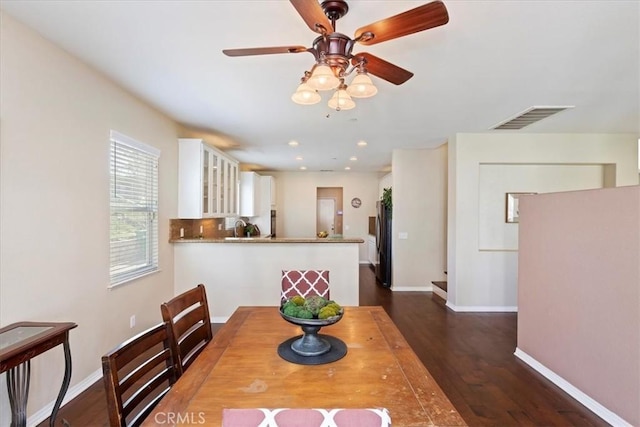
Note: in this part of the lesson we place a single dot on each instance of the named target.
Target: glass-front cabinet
(223, 182)
(208, 181)
(206, 171)
(229, 200)
(214, 179)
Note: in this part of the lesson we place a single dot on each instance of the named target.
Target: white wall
(56, 116)
(480, 280)
(385, 182)
(296, 203)
(498, 179)
(419, 210)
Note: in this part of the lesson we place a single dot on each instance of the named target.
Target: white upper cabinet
(250, 191)
(268, 194)
(272, 190)
(267, 203)
(207, 181)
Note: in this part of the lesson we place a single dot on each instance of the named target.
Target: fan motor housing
(336, 49)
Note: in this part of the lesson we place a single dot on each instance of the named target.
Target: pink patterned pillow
(305, 283)
(284, 417)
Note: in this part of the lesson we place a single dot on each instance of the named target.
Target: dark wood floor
(470, 355)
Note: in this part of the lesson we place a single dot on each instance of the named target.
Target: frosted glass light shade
(305, 95)
(362, 87)
(341, 101)
(323, 78)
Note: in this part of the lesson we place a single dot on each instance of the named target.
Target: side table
(19, 343)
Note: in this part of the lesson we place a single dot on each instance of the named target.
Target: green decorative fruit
(314, 307)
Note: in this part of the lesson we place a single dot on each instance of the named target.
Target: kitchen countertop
(270, 240)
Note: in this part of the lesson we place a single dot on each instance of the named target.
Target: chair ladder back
(141, 395)
(192, 344)
(149, 365)
(180, 303)
(186, 323)
(188, 316)
(136, 373)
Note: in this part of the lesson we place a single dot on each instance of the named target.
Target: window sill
(132, 279)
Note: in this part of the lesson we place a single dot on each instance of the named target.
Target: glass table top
(15, 335)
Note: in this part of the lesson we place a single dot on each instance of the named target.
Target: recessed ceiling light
(353, 158)
(362, 143)
(347, 168)
(293, 143)
(299, 158)
(303, 168)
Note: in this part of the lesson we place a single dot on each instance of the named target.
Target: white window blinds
(134, 209)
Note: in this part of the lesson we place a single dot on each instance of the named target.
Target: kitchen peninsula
(247, 271)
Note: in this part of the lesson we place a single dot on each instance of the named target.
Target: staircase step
(441, 284)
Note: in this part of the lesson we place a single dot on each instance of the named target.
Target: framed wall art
(512, 203)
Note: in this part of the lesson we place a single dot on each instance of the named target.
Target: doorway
(329, 210)
(326, 215)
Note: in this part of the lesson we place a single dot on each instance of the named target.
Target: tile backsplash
(207, 228)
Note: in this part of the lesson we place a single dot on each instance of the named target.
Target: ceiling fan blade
(313, 15)
(264, 50)
(421, 18)
(383, 69)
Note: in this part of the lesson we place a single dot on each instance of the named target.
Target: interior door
(326, 215)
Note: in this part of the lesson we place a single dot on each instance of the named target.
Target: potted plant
(251, 230)
(386, 199)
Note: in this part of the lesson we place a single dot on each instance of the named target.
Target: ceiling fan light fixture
(305, 95)
(341, 100)
(322, 78)
(362, 87)
(333, 55)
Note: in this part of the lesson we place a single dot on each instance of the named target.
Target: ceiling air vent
(529, 116)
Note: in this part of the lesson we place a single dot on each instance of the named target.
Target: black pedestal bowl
(312, 348)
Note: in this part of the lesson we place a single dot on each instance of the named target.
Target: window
(134, 209)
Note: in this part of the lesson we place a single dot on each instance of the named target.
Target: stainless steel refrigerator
(383, 244)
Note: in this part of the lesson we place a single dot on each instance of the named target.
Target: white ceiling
(492, 60)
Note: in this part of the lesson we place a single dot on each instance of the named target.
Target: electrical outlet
(132, 321)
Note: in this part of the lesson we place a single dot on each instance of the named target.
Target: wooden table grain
(241, 368)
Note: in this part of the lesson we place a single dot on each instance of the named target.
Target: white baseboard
(572, 391)
(428, 288)
(440, 292)
(482, 308)
(73, 392)
(219, 319)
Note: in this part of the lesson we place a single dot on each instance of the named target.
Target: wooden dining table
(241, 368)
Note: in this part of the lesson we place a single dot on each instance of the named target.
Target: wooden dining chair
(304, 283)
(188, 316)
(137, 374)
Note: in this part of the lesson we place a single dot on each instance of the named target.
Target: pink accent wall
(579, 291)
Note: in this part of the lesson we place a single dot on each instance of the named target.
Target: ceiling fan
(333, 51)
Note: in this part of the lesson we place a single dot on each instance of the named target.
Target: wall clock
(355, 202)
